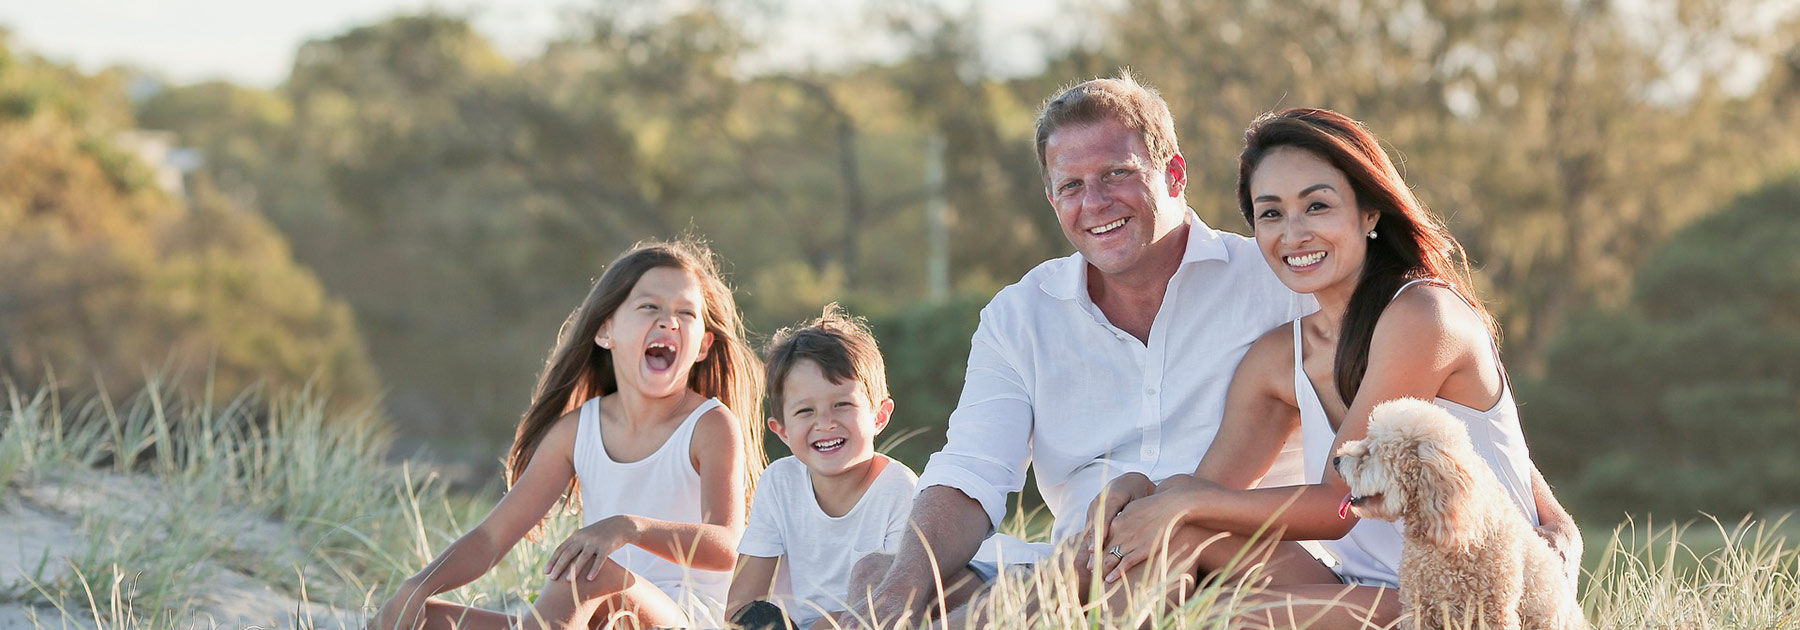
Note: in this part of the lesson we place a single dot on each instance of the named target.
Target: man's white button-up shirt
(1051, 382)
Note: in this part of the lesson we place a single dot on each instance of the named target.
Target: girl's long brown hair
(1411, 242)
(578, 370)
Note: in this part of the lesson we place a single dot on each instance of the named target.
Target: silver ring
(1116, 552)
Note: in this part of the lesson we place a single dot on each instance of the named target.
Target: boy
(836, 500)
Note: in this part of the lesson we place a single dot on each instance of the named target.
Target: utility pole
(937, 232)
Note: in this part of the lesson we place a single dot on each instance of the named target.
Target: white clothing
(820, 549)
(662, 486)
(1370, 553)
(1051, 382)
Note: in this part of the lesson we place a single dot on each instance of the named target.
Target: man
(1115, 359)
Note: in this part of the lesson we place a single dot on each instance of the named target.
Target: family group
(1180, 391)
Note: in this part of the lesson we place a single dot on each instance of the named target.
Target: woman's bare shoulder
(1432, 311)
(1271, 355)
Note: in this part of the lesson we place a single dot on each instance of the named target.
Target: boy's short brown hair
(842, 347)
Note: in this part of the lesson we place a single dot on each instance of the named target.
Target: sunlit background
(397, 203)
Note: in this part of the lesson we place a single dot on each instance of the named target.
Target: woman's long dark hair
(1411, 242)
(578, 370)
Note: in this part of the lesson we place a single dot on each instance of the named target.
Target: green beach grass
(169, 513)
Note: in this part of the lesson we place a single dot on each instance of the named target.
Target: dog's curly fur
(1470, 559)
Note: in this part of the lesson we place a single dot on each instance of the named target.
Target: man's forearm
(948, 528)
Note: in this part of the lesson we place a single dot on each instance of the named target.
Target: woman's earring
(1371, 235)
(606, 344)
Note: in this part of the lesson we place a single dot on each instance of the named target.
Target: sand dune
(45, 530)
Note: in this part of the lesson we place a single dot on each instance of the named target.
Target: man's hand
(889, 607)
(948, 527)
(1121, 491)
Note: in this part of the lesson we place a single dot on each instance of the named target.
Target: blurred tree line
(1687, 397)
(106, 277)
(460, 201)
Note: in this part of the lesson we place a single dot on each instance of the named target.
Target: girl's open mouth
(659, 356)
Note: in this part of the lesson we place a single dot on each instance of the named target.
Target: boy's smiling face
(830, 427)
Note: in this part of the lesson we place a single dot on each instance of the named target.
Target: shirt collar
(1203, 243)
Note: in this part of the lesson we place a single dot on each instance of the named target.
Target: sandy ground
(40, 530)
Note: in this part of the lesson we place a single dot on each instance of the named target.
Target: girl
(638, 415)
(1396, 318)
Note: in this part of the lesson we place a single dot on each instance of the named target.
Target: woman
(1396, 318)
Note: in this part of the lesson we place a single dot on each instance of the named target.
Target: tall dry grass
(270, 486)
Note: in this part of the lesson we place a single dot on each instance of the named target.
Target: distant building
(168, 162)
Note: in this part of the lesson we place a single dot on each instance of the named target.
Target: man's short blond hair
(1119, 98)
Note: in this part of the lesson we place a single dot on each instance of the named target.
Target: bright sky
(253, 41)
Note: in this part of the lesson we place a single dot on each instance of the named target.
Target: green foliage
(460, 202)
(1686, 399)
(448, 193)
(926, 347)
(109, 275)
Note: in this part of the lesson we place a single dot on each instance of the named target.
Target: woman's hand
(1121, 491)
(1565, 540)
(589, 547)
(1144, 528)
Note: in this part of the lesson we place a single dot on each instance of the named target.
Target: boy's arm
(763, 548)
(754, 580)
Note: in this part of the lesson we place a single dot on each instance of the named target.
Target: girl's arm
(545, 478)
(710, 545)
(753, 581)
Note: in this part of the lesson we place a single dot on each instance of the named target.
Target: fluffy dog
(1470, 560)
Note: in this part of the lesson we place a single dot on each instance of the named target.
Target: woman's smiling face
(1308, 225)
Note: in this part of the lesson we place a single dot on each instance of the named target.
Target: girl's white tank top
(663, 486)
(1370, 553)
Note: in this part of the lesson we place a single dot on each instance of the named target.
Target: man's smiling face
(1112, 202)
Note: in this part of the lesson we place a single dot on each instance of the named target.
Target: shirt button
(1150, 391)
(1150, 451)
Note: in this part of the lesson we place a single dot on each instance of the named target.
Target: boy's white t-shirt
(785, 519)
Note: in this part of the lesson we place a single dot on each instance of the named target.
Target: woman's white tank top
(663, 486)
(1370, 553)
